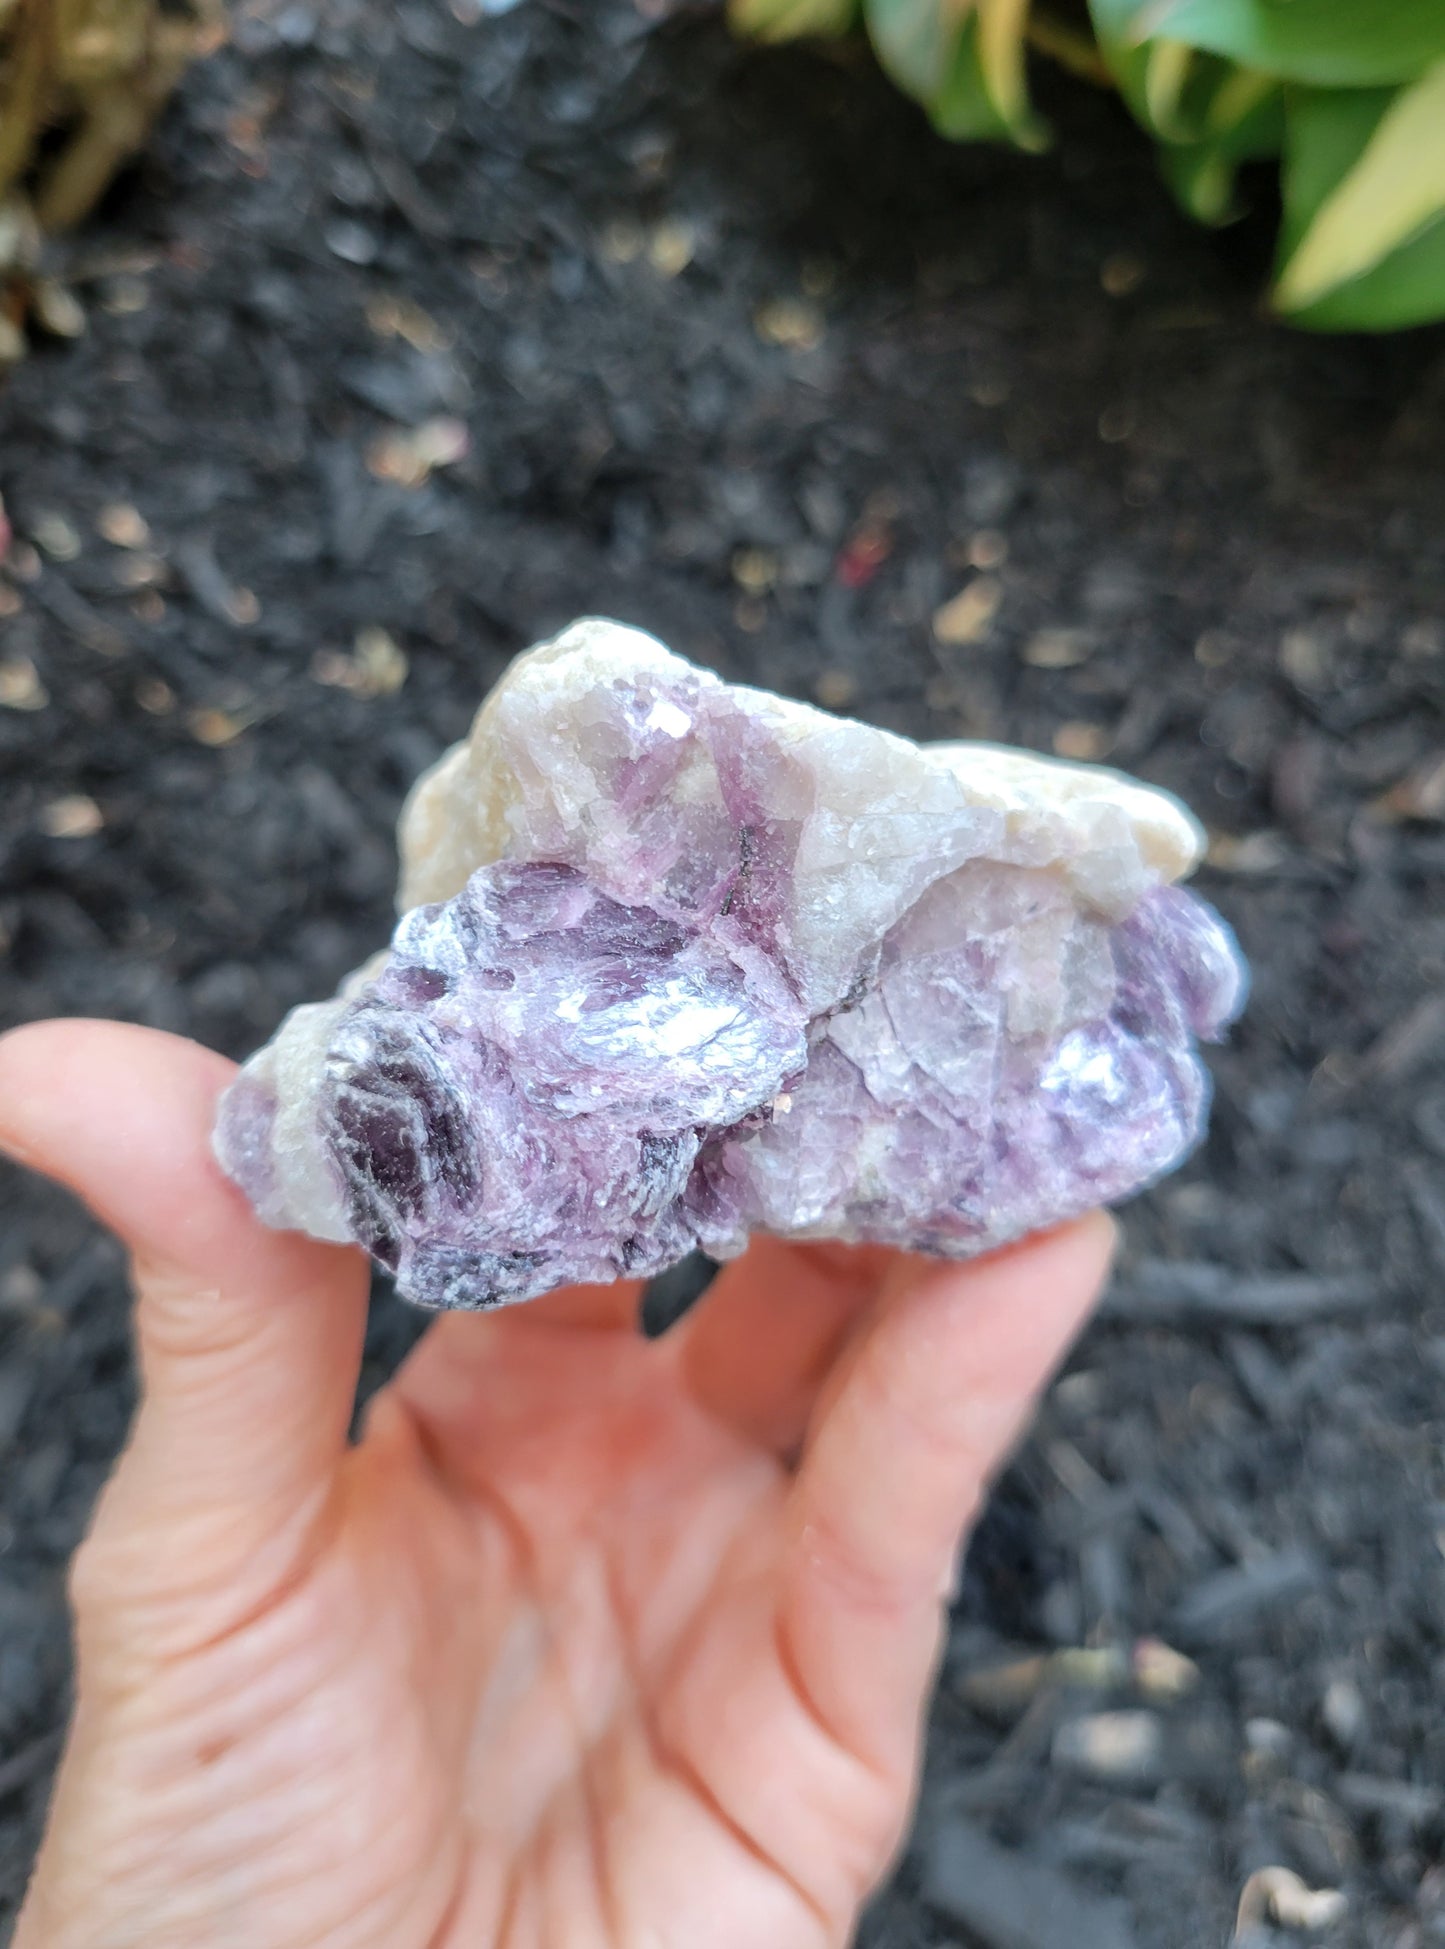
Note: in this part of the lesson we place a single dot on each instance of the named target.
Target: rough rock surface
(680, 961)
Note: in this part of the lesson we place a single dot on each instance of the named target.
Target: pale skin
(590, 1642)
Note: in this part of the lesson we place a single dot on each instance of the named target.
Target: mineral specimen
(680, 961)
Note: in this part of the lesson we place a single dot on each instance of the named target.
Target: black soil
(746, 356)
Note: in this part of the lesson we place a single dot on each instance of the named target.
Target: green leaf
(1329, 43)
(1328, 131)
(962, 107)
(1245, 121)
(964, 60)
(1130, 69)
(1207, 114)
(1364, 187)
(1163, 78)
(1000, 34)
(1241, 94)
(1407, 289)
(1169, 86)
(787, 20)
(916, 40)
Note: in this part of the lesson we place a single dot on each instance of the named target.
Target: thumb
(249, 1340)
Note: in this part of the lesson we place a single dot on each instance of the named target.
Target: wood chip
(1406, 1800)
(1278, 1895)
(142, 572)
(410, 458)
(29, 1763)
(380, 662)
(393, 316)
(671, 247)
(1008, 1901)
(790, 322)
(20, 687)
(155, 696)
(215, 728)
(56, 537)
(755, 570)
(122, 525)
(23, 562)
(1001, 1692)
(1178, 1291)
(1420, 795)
(57, 310)
(1222, 1607)
(1161, 1672)
(377, 667)
(79, 617)
(1084, 743)
(1304, 658)
(1427, 1201)
(987, 549)
(1423, 639)
(125, 295)
(623, 241)
(1058, 649)
(967, 617)
(1121, 274)
(72, 817)
(1406, 1044)
(835, 690)
(1111, 1745)
(1248, 853)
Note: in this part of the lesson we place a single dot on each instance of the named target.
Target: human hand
(590, 1641)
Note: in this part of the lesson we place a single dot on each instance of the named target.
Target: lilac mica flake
(926, 1121)
(521, 1097)
(695, 1000)
(542, 1086)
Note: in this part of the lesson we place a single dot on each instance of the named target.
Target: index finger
(763, 1338)
(934, 1395)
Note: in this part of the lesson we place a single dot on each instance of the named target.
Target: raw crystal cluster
(680, 961)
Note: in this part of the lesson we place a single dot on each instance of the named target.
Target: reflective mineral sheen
(680, 961)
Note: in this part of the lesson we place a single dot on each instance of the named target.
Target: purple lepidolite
(679, 961)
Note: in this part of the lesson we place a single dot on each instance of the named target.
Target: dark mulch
(990, 366)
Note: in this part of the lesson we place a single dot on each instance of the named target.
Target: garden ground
(969, 444)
